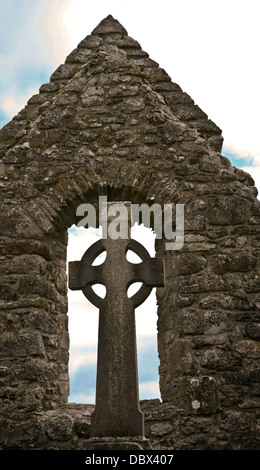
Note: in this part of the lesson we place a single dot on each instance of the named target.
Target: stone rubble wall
(111, 122)
(166, 427)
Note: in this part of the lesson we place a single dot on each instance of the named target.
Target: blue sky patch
(237, 161)
(83, 379)
(4, 119)
(148, 361)
(73, 229)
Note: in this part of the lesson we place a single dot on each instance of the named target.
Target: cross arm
(81, 274)
(150, 271)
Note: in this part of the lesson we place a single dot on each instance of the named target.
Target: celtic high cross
(117, 411)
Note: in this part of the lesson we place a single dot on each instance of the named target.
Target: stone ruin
(111, 122)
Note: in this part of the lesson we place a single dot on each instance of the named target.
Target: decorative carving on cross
(117, 411)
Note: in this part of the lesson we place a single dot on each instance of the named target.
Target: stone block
(82, 427)
(23, 264)
(194, 222)
(18, 223)
(252, 330)
(59, 427)
(21, 247)
(209, 283)
(251, 282)
(233, 262)
(19, 433)
(91, 42)
(79, 55)
(227, 211)
(64, 71)
(133, 105)
(220, 358)
(248, 348)
(226, 301)
(34, 284)
(40, 320)
(161, 429)
(35, 369)
(199, 395)
(210, 164)
(23, 344)
(197, 322)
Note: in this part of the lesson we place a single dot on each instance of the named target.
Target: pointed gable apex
(109, 41)
(109, 25)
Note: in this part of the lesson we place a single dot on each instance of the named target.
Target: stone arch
(111, 122)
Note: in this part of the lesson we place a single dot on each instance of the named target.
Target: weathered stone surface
(189, 264)
(40, 320)
(209, 322)
(230, 263)
(252, 330)
(161, 429)
(23, 264)
(109, 25)
(210, 164)
(220, 360)
(108, 443)
(252, 282)
(239, 302)
(91, 42)
(35, 369)
(227, 211)
(25, 344)
(18, 224)
(82, 427)
(22, 432)
(209, 283)
(111, 122)
(59, 428)
(195, 222)
(199, 395)
(20, 247)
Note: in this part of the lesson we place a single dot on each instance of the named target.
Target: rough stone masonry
(111, 122)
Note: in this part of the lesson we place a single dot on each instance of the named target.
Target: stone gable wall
(111, 122)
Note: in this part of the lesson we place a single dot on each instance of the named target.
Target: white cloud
(12, 104)
(53, 32)
(81, 357)
(254, 171)
(83, 320)
(82, 398)
(149, 390)
(80, 239)
(83, 316)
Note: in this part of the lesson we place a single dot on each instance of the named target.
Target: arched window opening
(83, 322)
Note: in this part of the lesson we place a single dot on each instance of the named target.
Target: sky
(209, 48)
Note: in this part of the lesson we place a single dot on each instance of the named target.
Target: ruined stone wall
(111, 122)
(166, 427)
